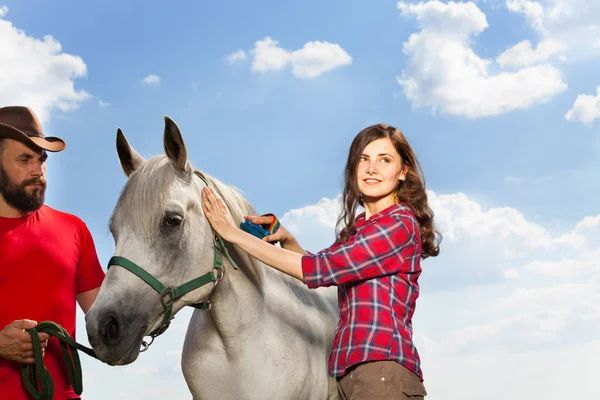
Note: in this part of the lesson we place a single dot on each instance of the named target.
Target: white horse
(265, 335)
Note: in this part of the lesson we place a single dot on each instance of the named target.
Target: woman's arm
(286, 261)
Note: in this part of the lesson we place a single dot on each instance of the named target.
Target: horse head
(164, 250)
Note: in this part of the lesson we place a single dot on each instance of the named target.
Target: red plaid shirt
(376, 272)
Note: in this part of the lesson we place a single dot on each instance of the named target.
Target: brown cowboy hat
(20, 123)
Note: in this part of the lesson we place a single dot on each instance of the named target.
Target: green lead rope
(36, 374)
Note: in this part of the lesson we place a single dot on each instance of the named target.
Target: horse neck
(238, 298)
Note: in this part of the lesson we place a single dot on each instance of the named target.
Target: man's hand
(15, 343)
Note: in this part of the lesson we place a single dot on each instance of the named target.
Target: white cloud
(523, 54)
(35, 72)
(533, 11)
(444, 73)
(268, 56)
(151, 80)
(318, 57)
(586, 109)
(573, 23)
(312, 60)
(103, 104)
(237, 56)
(314, 225)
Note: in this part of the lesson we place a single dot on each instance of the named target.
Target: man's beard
(17, 196)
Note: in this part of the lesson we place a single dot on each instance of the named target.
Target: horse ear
(129, 158)
(174, 146)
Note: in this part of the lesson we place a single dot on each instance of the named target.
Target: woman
(375, 264)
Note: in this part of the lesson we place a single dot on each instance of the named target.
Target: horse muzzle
(116, 337)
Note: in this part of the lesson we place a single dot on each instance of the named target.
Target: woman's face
(379, 169)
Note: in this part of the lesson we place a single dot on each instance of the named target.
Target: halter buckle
(219, 277)
(162, 298)
(206, 305)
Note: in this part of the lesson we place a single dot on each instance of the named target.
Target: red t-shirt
(46, 259)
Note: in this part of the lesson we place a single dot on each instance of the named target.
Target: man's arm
(86, 299)
(89, 275)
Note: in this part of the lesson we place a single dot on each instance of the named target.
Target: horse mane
(236, 203)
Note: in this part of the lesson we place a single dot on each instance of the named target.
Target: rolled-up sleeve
(375, 250)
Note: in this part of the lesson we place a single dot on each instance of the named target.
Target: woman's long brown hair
(411, 191)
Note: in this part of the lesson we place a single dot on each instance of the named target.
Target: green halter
(169, 295)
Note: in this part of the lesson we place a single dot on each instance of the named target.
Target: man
(48, 260)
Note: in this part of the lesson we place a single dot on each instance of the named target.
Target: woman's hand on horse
(217, 214)
(285, 238)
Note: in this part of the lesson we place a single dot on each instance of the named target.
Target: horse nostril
(112, 330)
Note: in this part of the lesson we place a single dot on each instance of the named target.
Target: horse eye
(172, 220)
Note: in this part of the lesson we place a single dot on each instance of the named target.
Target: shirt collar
(360, 219)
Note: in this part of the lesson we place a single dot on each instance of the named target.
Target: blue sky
(509, 149)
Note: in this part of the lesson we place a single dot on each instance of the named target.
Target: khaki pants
(381, 380)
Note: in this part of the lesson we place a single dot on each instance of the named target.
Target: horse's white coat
(267, 336)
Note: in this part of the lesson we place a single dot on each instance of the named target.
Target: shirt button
(382, 378)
